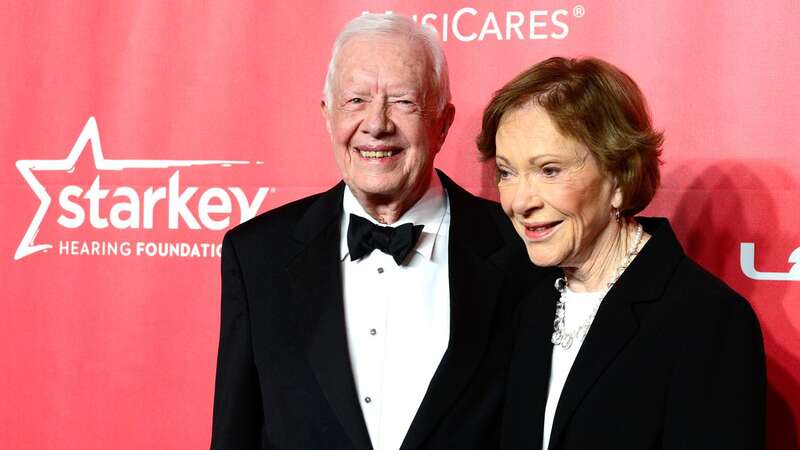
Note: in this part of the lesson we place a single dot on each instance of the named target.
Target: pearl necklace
(562, 337)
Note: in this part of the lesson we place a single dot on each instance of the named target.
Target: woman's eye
(503, 174)
(550, 171)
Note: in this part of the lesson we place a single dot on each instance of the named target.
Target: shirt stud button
(380, 269)
(373, 331)
(367, 399)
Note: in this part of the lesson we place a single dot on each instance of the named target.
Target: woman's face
(553, 190)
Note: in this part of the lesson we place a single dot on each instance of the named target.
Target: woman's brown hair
(597, 104)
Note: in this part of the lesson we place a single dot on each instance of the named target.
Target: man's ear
(448, 115)
(323, 108)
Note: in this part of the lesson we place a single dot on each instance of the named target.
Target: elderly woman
(629, 344)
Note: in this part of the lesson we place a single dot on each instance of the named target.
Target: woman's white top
(578, 306)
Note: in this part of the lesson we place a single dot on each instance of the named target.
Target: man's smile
(378, 152)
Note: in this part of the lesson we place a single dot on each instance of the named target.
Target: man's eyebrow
(353, 91)
(405, 92)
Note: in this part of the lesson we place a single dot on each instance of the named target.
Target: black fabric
(284, 375)
(364, 236)
(674, 360)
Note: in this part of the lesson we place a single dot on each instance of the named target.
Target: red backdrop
(133, 133)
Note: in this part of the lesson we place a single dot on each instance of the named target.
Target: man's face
(382, 119)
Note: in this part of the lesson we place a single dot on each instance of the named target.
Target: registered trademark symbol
(578, 11)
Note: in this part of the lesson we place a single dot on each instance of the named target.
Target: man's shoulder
(488, 210)
(484, 227)
(464, 198)
(493, 210)
(280, 221)
(484, 204)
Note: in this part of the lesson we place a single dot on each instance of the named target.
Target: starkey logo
(133, 208)
(747, 262)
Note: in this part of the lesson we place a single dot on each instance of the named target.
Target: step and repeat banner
(134, 133)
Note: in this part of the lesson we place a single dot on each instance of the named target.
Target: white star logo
(91, 135)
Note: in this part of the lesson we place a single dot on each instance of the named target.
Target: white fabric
(408, 307)
(578, 306)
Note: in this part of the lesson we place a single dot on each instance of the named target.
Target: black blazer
(284, 379)
(673, 360)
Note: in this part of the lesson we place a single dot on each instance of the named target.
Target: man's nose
(378, 120)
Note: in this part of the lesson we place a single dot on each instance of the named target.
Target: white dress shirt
(578, 306)
(397, 317)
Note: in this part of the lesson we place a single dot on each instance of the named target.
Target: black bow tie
(364, 236)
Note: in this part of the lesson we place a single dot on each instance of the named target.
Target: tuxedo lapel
(616, 322)
(475, 281)
(316, 284)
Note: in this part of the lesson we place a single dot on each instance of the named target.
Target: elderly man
(375, 315)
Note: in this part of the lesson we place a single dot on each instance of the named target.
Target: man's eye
(405, 104)
(356, 100)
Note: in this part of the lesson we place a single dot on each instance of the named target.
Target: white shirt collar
(430, 211)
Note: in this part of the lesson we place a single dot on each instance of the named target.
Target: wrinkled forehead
(534, 127)
(388, 60)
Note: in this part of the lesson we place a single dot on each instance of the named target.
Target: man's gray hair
(394, 25)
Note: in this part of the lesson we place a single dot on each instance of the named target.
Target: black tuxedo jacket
(673, 360)
(284, 378)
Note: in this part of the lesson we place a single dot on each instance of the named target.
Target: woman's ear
(617, 197)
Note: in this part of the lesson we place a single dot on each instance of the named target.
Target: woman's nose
(526, 197)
